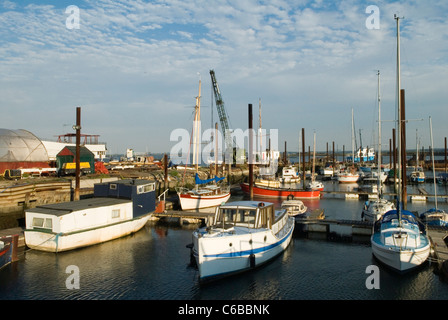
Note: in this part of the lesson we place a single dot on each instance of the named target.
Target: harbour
(327, 262)
(225, 215)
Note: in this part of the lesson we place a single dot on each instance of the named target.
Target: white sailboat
(434, 216)
(314, 184)
(206, 193)
(244, 235)
(399, 241)
(418, 175)
(374, 210)
(350, 176)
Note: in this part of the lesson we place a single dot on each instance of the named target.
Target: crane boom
(222, 113)
(219, 103)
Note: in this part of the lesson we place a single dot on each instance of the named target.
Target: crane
(223, 118)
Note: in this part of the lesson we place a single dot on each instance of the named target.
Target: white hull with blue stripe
(244, 235)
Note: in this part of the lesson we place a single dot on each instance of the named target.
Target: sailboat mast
(197, 129)
(433, 168)
(399, 193)
(379, 136)
(353, 141)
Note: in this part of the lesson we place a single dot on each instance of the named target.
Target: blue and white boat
(243, 235)
(399, 240)
(435, 217)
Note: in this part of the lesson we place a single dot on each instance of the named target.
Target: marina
(219, 213)
(341, 239)
(154, 264)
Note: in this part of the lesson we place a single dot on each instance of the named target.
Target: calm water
(153, 264)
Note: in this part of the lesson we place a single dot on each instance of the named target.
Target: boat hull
(280, 192)
(343, 178)
(400, 260)
(194, 202)
(238, 252)
(58, 242)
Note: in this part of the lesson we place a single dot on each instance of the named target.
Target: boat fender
(290, 197)
(252, 260)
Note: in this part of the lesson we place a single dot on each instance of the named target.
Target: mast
(197, 129)
(379, 137)
(399, 193)
(353, 139)
(433, 168)
(314, 157)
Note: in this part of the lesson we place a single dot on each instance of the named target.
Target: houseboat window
(46, 223)
(116, 213)
(113, 186)
(146, 188)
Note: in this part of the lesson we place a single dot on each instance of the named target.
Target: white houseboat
(117, 209)
(244, 235)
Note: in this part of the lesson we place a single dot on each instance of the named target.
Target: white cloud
(134, 64)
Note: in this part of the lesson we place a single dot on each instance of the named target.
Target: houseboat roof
(59, 209)
(248, 204)
(133, 182)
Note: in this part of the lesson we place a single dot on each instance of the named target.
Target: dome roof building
(21, 149)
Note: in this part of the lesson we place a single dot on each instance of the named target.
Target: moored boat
(280, 192)
(374, 210)
(117, 209)
(399, 241)
(294, 207)
(348, 177)
(8, 249)
(206, 197)
(243, 235)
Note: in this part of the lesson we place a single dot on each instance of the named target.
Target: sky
(133, 67)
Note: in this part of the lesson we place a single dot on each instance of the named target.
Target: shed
(68, 154)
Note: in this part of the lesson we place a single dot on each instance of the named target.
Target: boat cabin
(250, 214)
(141, 192)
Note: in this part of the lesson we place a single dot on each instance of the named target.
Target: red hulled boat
(281, 192)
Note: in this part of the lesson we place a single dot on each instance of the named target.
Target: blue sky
(134, 67)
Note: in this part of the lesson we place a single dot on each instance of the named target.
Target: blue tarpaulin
(200, 181)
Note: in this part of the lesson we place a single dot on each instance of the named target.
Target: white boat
(206, 193)
(399, 240)
(244, 235)
(348, 177)
(434, 216)
(374, 210)
(117, 209)
(417, 176)
(206, 196)
(290, 175)
(294, 207)
(315, 185)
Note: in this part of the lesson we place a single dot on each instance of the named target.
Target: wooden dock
(205, 215)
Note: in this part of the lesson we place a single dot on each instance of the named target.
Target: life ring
(290, 197)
